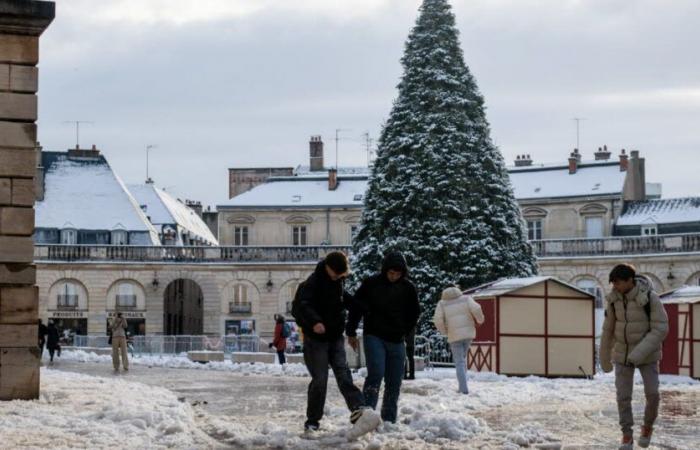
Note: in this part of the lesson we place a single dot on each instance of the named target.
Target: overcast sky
(235, 83)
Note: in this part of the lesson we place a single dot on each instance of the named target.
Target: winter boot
(364, 420)
(645, 438)
(627, 443)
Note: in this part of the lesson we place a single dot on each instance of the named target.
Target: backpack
(647, 308)
(286, 330)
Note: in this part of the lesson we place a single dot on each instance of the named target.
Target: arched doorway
(183, 308)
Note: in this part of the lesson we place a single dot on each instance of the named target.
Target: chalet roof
(508, 285)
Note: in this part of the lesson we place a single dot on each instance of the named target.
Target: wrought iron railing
(67, 301)
(126, 301)
(158, 344)
(240, 307)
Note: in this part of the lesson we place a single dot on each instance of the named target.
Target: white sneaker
(368, 421)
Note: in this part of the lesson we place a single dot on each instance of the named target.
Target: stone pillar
(21, 24)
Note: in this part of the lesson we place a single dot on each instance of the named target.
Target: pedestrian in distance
(117, 329)
(43, 331)
(52, 337)
(634, 329)
(387, 302)
(456, 316)
(279, 341)
(319, 308)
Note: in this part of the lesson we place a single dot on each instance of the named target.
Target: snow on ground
(500, 412)
(81, 411)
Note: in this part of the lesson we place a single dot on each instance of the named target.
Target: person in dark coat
(319, 308)
(42, 337)
(279, 341)
(388, 303)
(52, 337)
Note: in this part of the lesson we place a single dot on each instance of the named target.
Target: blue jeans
(460, 349)
(385, 360)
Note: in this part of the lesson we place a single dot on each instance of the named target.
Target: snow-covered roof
(163, 209)
(661, 211)
(592, 179)
(685, 294)
(85, 194)
(508, 285)
(289, 192)
(304, 171)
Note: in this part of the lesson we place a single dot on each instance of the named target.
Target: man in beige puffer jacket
(455, 316)
(633, 332)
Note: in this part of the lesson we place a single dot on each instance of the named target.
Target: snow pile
(182, 362)
(80, 411)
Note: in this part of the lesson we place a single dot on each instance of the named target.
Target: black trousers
(318, 355)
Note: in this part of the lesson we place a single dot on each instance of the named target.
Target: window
(594, 227)
(126, 297)
(353, 232)
(69, 236)
(68, 296)
(240, 236)
(240, 293)
(534, 229)
(299, 235)
(591, 286)
(119, 237)
(650, 230)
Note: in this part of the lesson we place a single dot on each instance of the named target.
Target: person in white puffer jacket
(456, 316)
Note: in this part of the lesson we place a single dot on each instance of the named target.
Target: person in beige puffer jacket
(633, 332)
(455, 316)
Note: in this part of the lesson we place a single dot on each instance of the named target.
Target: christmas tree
(439, 190)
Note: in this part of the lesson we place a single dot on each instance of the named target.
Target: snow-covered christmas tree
(439, 190)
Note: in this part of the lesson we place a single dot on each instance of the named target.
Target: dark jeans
(318, 355)
(281, 357)
(384, 360)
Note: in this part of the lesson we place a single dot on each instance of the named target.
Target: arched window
(126, 296)
(240, 303)
(68, 296)
(591, 285)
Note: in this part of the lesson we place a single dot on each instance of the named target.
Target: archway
(183, 308)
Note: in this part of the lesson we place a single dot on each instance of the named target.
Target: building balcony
(617, 246)
(181, 255)
(240, 308)
(126, 301)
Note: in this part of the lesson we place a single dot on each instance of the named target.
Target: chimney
(195, 206)
(523, 161)
(635, 180)
(602, 154)
(574, 159)
(316, 154)
(39, 175)
(332, 179)
(80, 153)
(624, 161)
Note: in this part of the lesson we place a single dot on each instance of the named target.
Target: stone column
(21, 24)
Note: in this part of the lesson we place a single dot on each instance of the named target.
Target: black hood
(395, 261)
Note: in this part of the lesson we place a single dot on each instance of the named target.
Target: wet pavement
(588, 424)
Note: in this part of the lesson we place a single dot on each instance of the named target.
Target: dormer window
(650, 230)
(119, 237)
(296, 198)
(69, 236)
(357, 197)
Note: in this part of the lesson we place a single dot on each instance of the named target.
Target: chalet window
(299, 235)
(650, 230)
(240, 236)
(69, 236)
(534, 229)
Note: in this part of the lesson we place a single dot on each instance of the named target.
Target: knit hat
(451, 293)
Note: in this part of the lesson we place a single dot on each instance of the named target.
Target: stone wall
(21, 23)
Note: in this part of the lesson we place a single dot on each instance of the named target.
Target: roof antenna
(148, 148)
(77, 129)
(578, 123)
(337, 139)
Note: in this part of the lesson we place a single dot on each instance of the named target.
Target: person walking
(279, 340)
(456, 316)
(52, 337)
(119, 348)
(634, 329)
(388, 303)
(43, 331)
(319, 309)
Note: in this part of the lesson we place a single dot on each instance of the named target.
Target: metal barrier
(172, 345)
(435, 350)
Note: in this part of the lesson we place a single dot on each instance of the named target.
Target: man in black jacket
(319, 308)
(388, 302)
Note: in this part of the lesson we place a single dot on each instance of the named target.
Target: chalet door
(669, 355)
(482, 352)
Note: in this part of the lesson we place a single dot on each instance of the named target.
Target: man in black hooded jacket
(388, 302)
(319, 308)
